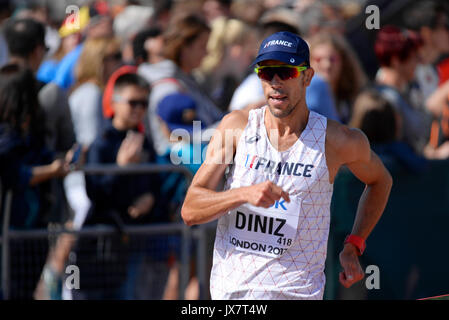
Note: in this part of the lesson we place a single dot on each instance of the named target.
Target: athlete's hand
(352, 271)
(265, 194)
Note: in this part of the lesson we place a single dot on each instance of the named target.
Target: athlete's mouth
(278, 97)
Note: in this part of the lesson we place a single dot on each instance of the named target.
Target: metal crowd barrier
(187, 235)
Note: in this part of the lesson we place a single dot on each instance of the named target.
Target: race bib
(269, 232)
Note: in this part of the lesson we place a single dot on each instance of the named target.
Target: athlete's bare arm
(203, 203)
(350, 147)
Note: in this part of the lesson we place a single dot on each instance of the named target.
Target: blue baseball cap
(283, 46)
(178, 111)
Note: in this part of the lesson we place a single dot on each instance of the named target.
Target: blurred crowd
(110, 81)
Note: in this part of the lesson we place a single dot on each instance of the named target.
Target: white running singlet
(279, 252)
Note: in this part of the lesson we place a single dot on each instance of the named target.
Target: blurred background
(91, 91)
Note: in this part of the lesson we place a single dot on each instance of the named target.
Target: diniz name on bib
(269, 232)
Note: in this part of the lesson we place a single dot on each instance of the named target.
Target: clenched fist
(265, 194)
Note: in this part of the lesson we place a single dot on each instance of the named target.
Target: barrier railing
(408, 244)
(187, 235)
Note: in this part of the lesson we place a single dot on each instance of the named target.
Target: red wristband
(357, 241)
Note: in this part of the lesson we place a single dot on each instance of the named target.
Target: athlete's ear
(308, 75)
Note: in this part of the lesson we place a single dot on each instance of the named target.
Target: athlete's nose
(276, 81)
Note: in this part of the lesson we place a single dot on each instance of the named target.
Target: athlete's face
(283, 96)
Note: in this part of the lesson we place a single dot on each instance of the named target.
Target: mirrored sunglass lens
(284, 73)
(288, 73)
(266, 73)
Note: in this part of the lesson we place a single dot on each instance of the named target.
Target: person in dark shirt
(26, 162)
(26, 45)
(109, 263)
(126, 199)
(26, 167)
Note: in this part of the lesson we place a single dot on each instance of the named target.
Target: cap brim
(279, 56)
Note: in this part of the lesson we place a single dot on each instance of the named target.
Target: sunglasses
(133, 103)
(285, 72)
(138, 103)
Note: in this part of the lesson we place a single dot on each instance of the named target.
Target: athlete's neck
(294, 123)
(284, 132)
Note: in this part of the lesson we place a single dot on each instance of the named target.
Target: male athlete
(274, 214)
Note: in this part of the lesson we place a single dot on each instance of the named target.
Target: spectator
(334, 60)
(177, 113)
(231, 48)
(280, 18)
(23, 140)
(39, 11)
(127, 24)
(99, 58)
(248, 11)
(185, 47)
(26, 43)
(118, 200)
(397, 52)
(377, 118)
(99, 25)
(89, 120)
(320, 99)
(431, 20)
(108, 93)
(317, 17)
(148, 46)
(71, 36)
(214, 9)
(26, 166)
(162, 14)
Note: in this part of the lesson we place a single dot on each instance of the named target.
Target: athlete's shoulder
(342, 134)
(227, 135)
(347, 143)
(236, 119)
